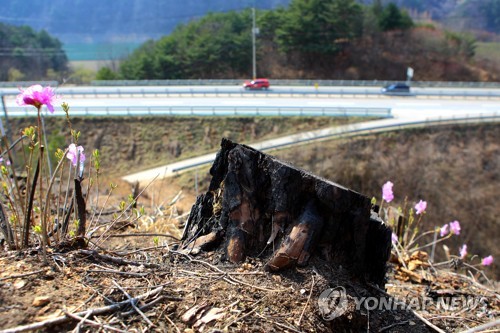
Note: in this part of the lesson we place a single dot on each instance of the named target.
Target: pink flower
(37, 96)
(420, 207)
(387, 194)
(487, 261)
(394, 238)
(444, 230)
(463, 251)
(455, 227)
(73, 154)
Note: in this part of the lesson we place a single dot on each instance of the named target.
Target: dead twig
(172, 323)
(278, 323)
(146, 319)
(145, 306)
(93, 312)
(116, 260)
(479, 328)
(461, 318)
(393, 325)
(114, 271)
(82, 321)
(217, 273)
(225, 275)
(246, 314)
(308, 300)
(104, 236)
(159, 247)
(22, 275)
(474, 282)
(137, 235)
(85, 320)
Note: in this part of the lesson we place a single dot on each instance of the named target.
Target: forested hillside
(334, 39)
(29, 55)
(459, 15)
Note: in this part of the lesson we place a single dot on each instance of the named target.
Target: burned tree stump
(259, 206)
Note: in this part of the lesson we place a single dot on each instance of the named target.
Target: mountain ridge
(139, 20)
(132, 20)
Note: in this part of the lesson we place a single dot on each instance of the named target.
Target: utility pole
(254, 32)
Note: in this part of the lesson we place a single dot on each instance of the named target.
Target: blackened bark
(80, 208)
(259, 206)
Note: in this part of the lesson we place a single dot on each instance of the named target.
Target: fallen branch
(87, 321)
(22, 275)
(137, 235)
(116, 260)
(114, 271)
(132, 302)
(146, 306)
(480, 328)
(226, 276)
(91, 312)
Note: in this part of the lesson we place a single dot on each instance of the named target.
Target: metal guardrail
(280, 82)
(15, 84)
(274, 82)
(214, 111)
(165, 91)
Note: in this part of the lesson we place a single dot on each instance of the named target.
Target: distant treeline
(308, 39)
(29, 55)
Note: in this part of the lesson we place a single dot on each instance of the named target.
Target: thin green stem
(45, 238)
(417, 238)
(49, 188)
(433, 242)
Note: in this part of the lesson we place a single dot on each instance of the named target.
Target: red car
(256, 84)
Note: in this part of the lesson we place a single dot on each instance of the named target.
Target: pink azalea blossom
(455, 227)
(73, 154)
(487, 261)
(387, 194)
(444, 230)
(420, 207)
(37, 96)
(463, 251)
(394, 238)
